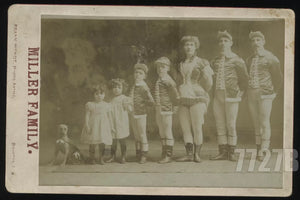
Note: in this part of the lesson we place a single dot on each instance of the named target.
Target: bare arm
(111, 120)
(87, 119)
(127, 104)
(206, 79)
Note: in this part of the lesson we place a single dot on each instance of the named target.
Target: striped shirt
(231, 74)
(165, 93)
(141, 98)
(264, 72)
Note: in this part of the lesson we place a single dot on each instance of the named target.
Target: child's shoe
(101, 161)
(111, 159)
(123, 160)
(138, 155)
(101, 154)
(123, 151)
(92, 154)
(143, 159)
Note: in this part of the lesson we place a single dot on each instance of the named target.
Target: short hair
(62, 126)
(141, 66)
(224, 34)
(163, 60)
(253, 34)
(189, 38)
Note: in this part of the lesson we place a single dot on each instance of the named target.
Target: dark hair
(189, 38)
(118, 82)
(101, 88)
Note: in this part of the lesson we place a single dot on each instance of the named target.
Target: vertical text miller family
(33, 99)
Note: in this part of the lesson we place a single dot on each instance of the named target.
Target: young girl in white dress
(120, 106)
(98, 124)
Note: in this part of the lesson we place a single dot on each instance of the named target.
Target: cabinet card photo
(150, 100)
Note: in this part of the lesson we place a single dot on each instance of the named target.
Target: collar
(229, 54)
(165, 78)
(118, 95)
(261, 52)
(191, 59)
(65, 138)
(142, 83)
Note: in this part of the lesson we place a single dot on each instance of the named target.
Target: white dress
(119, 109)
(99, 123)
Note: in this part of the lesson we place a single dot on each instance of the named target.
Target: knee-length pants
(225, 114)
(260, 111)
(191, 120)
(138, 123)
(164, 123)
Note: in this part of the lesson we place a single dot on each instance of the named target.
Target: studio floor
(186, 174)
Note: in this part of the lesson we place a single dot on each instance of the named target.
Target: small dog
(69, 150)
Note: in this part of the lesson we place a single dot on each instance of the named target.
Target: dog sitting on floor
(71, 154)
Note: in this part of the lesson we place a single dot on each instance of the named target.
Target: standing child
(97, 129)
(165, 96)
(141, 97)
(120, 106)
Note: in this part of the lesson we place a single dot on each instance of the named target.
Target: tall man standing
(230, 83)
(265, 79)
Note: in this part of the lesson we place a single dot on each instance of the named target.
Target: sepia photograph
(139, 101)
(122, 99)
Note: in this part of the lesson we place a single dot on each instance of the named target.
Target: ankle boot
(223, 154)
(101, 153)
(231, 154)
(259, 155)
(197, 153)
(138, 154)
(189, 153)
(123, 159)
(143, 159)
(112, 157)
(163, 151)
(168, 155)
(92, 154)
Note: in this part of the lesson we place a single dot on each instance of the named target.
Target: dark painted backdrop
(79, 53)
